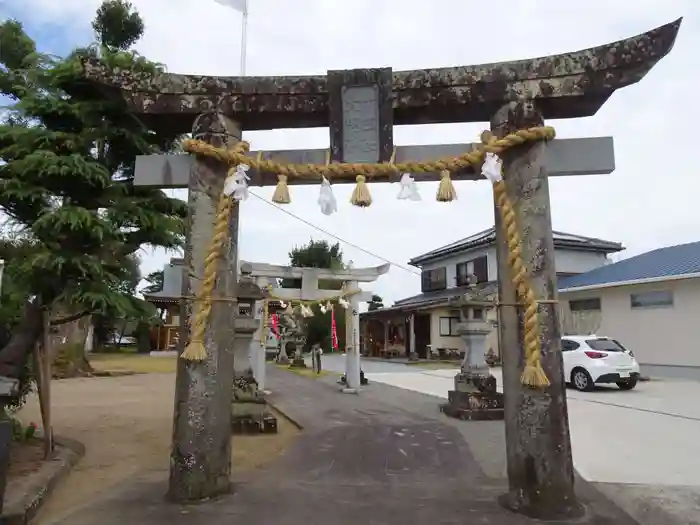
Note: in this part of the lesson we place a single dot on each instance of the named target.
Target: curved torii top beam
(566, 86)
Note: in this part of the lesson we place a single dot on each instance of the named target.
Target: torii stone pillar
(540, 466)
(256, 350)
(200, 458)
(309, 291)
(352, 337)
(258, 346)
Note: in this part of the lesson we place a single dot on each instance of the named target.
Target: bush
(20, 432)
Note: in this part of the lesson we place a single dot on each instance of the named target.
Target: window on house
(481, 269)
(658, 299)
(462, 273)
(432, 280)
(477, 267)
(477, 313)
(448, 326)
(585, 305)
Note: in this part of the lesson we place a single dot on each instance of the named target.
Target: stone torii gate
(264, 274)
(361, 107)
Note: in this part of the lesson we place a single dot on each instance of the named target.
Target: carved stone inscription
(360, 123)
(360, 115)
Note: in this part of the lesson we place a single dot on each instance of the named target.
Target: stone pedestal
(249, 411)
(298, 361)
(349, 390)
(475, 395)
(282, 357)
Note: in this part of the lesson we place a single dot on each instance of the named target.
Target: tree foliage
(67, 155)
(155, 282)
(14, 291)
(117, 25)
(375, 304)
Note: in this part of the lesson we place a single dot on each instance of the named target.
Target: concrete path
(641, 436)
(384, 457)
(336, 363)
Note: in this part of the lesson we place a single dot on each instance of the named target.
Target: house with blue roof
(649, 302)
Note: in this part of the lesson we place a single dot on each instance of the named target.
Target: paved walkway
(384, 457)
(640, 436)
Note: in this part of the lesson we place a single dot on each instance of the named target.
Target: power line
(270, 203)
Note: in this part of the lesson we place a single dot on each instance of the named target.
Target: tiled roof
(488, 237)
(441, 297)
(672, 261)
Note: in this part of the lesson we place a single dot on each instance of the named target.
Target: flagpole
(244, 38)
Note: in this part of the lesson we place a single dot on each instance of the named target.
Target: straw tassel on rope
(195, 350)
(360, 195)
(446, 190)
(281, 194)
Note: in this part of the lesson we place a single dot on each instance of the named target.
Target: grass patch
(306, 372)
(434, 365)
(139, 363)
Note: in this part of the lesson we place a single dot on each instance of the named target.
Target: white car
(592, 359)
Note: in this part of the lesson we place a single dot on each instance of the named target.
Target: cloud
(648, 202)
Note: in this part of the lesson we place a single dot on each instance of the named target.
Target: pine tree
(66, 179)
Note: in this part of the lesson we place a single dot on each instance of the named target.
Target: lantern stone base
(250, 413)
(298, 362)
(252, 418)
(363, 380)
(474, 398)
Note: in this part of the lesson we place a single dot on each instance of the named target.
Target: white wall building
(650, 303)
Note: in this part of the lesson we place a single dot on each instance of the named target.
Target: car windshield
(607, 345)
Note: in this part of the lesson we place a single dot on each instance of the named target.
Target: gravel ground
(126, 425)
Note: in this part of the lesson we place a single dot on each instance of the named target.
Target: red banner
(334, 333)
(275, 329)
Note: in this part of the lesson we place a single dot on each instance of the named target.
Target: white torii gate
(265, 274)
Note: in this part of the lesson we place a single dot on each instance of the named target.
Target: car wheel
(627, 385)
(581, 380)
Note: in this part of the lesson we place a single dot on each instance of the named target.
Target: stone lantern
(299, 340)
(475, 395)
(249, 410)
(245, 322)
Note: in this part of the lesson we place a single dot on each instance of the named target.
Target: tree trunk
(21, 345)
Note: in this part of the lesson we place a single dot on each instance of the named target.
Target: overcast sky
(650, 200)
